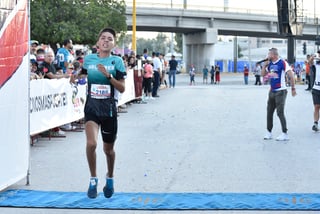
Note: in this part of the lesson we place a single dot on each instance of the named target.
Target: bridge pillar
(198, 49)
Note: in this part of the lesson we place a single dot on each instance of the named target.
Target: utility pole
(134, 26)
(316, 20)
(171, 45)
(235, 54)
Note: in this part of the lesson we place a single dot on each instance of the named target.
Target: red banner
(13, 38)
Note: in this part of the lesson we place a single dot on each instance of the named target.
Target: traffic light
(304, 48)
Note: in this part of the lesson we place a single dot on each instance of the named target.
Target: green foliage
(178, 38)
(159, 44)
(80, 20)
(143, 43)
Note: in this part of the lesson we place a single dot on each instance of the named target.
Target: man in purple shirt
(277, 69)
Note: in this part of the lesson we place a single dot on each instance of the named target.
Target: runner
(316, 94)
(106, 75)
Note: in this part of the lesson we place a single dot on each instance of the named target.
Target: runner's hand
(103, 70)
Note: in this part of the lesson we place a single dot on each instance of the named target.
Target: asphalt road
(202, 138)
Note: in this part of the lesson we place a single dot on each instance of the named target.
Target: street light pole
(134, 24)
(316, 20)
(171, 45)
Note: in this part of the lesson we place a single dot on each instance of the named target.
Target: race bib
(100, 91)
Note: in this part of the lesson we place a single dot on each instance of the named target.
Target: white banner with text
(55, 102)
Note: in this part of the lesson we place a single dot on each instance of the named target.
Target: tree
(80, 20)
(178, 38)
(144, 44)
(160, 43)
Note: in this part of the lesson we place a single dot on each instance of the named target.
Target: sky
(260, 6)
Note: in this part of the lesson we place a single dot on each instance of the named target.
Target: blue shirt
(63, 56)
(277, 74)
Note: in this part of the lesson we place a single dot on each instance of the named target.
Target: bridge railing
(168, 5)
(309, 17)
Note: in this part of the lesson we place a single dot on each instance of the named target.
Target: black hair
(107, 29)
(66, 41)
(40, 51)
(78, 52)
(94, 50)
(76, 65)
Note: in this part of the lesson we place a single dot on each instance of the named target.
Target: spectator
(212, 74)
(94, 49)
(147, 78)
(48, 68)
(172, 71)
(246, 75)
(145, 54)
(132, 60)
(33, 49)
(257, 74)
(164, 66)
(50, 72)
(40, 56)
(75, 71)
(35, 73)
(307, 69)
(192, 74)
(156, 74)
(298, 71)
(205, 72)
(64, 56)
(79, 56)
(217, 72)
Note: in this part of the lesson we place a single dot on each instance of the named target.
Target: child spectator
(192, 74)
(205, 72)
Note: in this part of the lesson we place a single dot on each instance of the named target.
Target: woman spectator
(217, 72)
(147, 78)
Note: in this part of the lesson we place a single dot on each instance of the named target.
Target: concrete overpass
(200, 28)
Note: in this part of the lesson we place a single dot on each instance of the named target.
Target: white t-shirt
(157, 65)
(316, 84)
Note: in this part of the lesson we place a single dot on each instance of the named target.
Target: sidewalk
(203, 138)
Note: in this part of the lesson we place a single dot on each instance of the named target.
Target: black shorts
(108, 125)
(316, 97)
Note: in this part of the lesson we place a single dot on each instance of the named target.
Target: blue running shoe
(92, 190)
(108, 189)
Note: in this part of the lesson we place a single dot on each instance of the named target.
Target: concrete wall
(199, 48)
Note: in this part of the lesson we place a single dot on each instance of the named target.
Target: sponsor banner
(54, 102)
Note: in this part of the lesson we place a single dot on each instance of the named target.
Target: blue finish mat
(162, 201)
